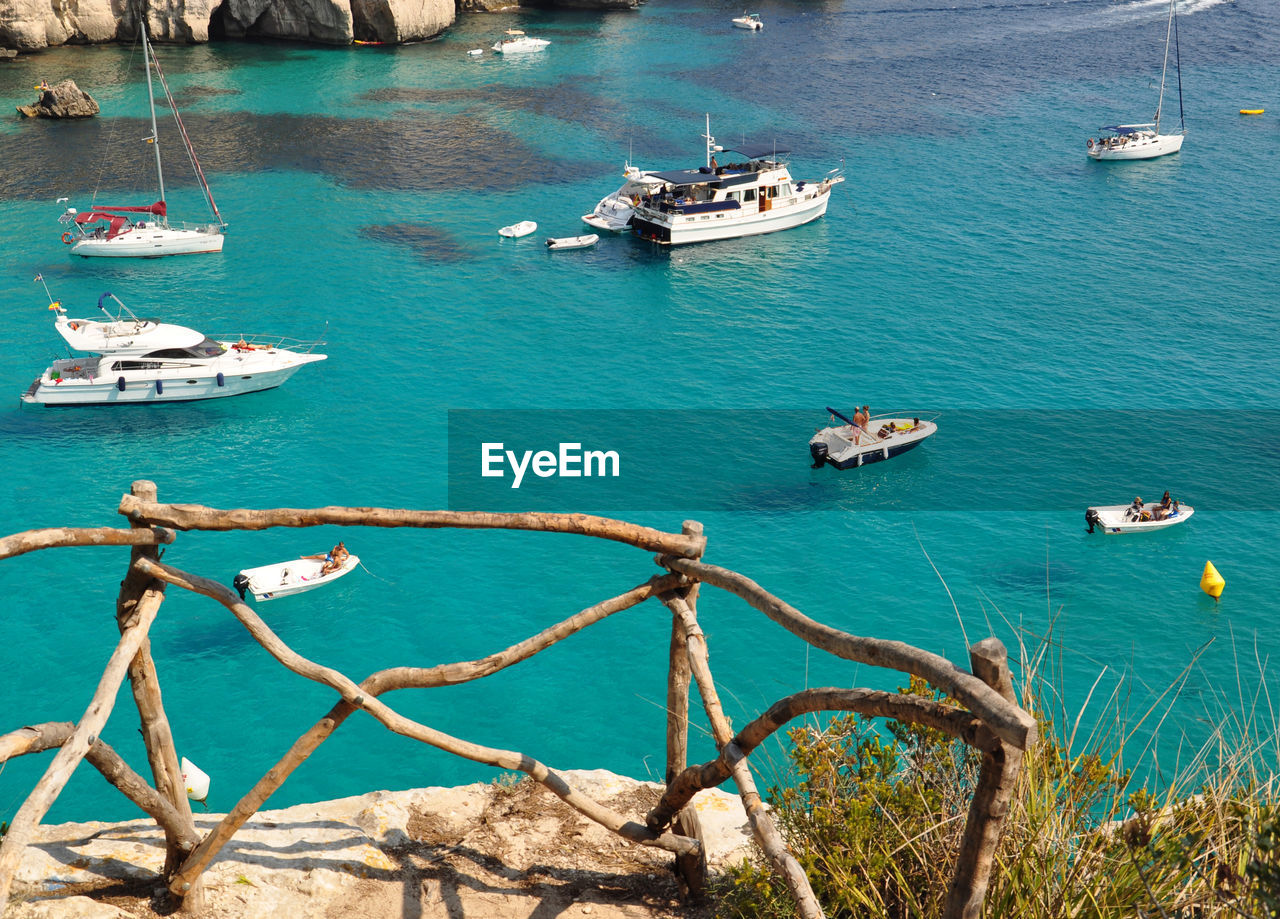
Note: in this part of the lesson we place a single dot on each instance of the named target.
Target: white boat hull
(81, 382)
(284, 579)
(150, 242)
(1115, 519)
(523, 46)
(573, 242)
(754, 25)
(1144, 147)
(517, 230)
(673, 229)
(846, 447)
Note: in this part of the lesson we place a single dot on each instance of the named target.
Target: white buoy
(196, 781)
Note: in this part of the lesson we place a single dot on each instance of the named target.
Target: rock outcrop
(63, 100)
(398, 21)
(33, 25)
(494, 850)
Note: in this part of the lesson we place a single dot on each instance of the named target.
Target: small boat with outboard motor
(880, 438)
(283, 579)
(1138, 517)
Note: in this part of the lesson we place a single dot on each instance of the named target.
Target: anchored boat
(753, 195)
(127, 359)
(883, 437)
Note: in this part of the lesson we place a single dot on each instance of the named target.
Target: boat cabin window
(136, 365)
(785, 189)
(178, 354)
(749, 195)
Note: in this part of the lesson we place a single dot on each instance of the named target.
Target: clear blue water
(974, 261)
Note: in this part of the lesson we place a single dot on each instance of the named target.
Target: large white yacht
(141, 360)
(753, 195)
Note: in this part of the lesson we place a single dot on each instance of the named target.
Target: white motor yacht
(128, 359)
(613, 212)
(753, 195)
(516, 42)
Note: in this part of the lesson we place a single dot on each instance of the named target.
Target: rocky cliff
(32, 25)
(500, 851)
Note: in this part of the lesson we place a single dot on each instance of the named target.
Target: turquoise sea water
(975, 261)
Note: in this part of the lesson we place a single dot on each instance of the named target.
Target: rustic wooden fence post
(990, 805)
(161, 752)
(690, 869)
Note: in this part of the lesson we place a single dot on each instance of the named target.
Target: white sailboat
(144, 231)
(1144, 141)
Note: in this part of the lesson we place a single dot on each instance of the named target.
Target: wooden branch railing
(990, 721)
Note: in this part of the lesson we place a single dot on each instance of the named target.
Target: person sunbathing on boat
(333, 559)
(1165, 508)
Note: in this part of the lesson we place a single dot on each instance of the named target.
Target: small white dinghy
(749, 21)
(516, 230)
(572, 242)
(475, 52)
(283, 579)
(1136, 518)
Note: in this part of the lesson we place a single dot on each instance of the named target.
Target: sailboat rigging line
(182, 129)
(1182, 118)
(1164, 69)
(113, 127)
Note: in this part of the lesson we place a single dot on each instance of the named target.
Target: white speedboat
(516, 42)
(882, 437)
(128, 359)
(754, 195)
(1132, 518)
(1143, 141)
(144, 231)
(516, 230)
(283, 579)
(613, 213)
(749, 21)
(572, 242)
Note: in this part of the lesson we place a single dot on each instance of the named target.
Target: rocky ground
(487, 851)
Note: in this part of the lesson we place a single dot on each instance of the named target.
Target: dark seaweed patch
(430, 243)
(419, 153)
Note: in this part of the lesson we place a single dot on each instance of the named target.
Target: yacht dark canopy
(757, 151)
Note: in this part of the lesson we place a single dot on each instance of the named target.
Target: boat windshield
(206, 348)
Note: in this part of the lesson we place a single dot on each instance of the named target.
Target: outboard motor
(241, 583)
(1091, 518)
(818, 450)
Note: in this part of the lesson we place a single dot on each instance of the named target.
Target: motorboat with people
(131, 360)
(295, 576)
(1138, 517)
(614, 211)
(144, 230)
(867, 439)
(750, 21)
(1144, 141)
(516, 42)
(751, 195)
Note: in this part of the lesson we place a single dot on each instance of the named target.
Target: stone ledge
(483, 850)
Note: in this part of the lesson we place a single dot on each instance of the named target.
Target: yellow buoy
(1252, 111)
(1211, 582)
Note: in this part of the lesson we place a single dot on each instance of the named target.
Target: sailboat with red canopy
(144, 231)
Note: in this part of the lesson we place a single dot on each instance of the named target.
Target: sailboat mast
(710, 140)
(154, 139)
(1165, 68)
